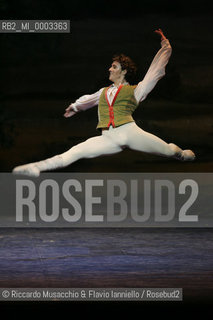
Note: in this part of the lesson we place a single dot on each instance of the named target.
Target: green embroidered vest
(120, 110)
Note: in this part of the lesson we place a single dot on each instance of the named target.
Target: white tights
(111, 141)
(115, 140)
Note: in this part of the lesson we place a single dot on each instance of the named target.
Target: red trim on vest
(111, 112)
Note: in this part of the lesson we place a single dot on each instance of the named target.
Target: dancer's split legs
(110, 142)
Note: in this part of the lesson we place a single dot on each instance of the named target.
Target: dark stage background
(41, 74)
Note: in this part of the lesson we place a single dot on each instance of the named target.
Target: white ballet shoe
(177, 151)
(28, 170)
(187, 155)
(182, 155)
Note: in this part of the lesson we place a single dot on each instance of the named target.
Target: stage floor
(104, 257)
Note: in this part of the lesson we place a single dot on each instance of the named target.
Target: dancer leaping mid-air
(116, 104)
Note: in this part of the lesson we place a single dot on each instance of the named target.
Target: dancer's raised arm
(156, 70)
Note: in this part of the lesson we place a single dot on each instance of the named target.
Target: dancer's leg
(91, 148)
(141, 140)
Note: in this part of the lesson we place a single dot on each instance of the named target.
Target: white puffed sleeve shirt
(155, 72)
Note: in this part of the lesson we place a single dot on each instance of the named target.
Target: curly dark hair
(126, 63)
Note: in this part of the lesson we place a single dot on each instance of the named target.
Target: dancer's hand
(69, 112)
(160, 32)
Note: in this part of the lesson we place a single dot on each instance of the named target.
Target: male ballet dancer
(116, 104)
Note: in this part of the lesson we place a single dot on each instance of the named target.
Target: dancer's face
(116, 74)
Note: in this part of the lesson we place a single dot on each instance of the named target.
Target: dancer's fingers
(159, 31)
(69, 114)
(66, 114)
(68, 108)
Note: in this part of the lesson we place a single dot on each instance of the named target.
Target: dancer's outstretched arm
(156, 70)
(83, 103)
